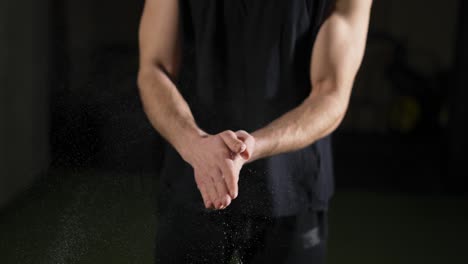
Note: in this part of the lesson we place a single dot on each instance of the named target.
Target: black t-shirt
(245, 63)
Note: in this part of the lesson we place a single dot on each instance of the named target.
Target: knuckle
(239, 146)
(201, 181)
(229, 133)
(241, 132)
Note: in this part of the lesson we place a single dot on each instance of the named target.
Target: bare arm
(159, 45)
(336, 58)
(210, 155)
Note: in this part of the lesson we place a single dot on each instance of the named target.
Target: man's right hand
(212, 159)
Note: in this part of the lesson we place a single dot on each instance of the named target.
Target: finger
(227, 202)
(233, 143)
(204, 194)
(248, 141)
(212, 192)
(203, 191)
(230, 177)
(221, 190)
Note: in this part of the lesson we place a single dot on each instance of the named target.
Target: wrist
(189, 142)
(257, 150)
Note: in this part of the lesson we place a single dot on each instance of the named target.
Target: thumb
(234, 144)
(248, 141)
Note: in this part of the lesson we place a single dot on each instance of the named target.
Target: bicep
(159, 36)
(340, 44)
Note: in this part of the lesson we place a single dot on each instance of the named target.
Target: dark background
(79, 159)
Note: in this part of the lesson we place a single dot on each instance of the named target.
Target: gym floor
(92, 216)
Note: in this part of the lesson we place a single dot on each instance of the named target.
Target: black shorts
(185, 236)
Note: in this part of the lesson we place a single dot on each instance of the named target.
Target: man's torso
(245, 63)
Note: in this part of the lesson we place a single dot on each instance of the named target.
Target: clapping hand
(217, 161)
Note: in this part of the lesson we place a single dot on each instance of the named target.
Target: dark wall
(396, 133)
(24, 80)
(97, 105)
(410, 44)
(458, 142)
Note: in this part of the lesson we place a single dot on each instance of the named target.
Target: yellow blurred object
(405, 114)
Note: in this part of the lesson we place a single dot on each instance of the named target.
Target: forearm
(317, 116)
(167, 110)
(337, 55)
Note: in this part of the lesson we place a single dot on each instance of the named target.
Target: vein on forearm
(166, 109)
(337, 54)
(314, 118)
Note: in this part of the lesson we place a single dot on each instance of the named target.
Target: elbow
(139, 80)
(336, 95)
(147, 70)
(339, 118)
(151, 72)
(143, 76)
(336, 113)
(341, 102)
(338, 109)
(335, 98)
(144, 81)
